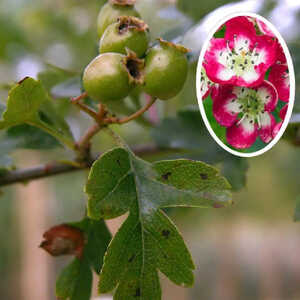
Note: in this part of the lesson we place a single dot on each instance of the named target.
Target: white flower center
(241, 60)
(250, 104)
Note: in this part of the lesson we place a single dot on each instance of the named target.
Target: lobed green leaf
(148, 241)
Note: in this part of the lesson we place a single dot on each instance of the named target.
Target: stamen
(227, 45)
(258, 121)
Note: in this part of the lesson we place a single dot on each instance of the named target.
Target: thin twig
(84, 107)
(133, 116)
(55, 168)
(84, 141)
(83, 159)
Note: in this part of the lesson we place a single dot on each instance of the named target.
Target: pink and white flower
(242, 57)
(246, 112)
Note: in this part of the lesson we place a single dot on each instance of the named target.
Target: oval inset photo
(245, 84)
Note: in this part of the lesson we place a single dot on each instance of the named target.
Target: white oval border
(292, 84)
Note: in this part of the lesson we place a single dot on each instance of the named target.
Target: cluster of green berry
(126, 61)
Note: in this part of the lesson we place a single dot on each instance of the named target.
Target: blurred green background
(248, 251)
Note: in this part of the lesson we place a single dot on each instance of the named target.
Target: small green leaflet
(148, 241)
(75, 280)
(28, 102)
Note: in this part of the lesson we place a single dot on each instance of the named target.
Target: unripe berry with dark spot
(111, 76)
(112, 10)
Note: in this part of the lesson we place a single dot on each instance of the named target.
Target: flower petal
(264, 28)
(242, 135)
(280, 56)
(283, 111)
(214, 91)
(276, 129)
(280, 78)
(264, 56)
(215, 61)
(225, 106)
(241, 33)
(267, 125)
(268, 95)
(249, 78)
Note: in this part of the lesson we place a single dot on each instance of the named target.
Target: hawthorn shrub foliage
(119, 181)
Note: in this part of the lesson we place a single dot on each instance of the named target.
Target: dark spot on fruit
(131, 258)
(166, 175)
(166, 233)
(133, 68)
(118, 162)
(203, 176)
(123, 28)
(137, 292)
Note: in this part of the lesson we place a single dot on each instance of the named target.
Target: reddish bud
(63, 240)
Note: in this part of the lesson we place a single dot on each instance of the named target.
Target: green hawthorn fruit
(127, 32)
(166, 69)
(111, 76)
(110, 12)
